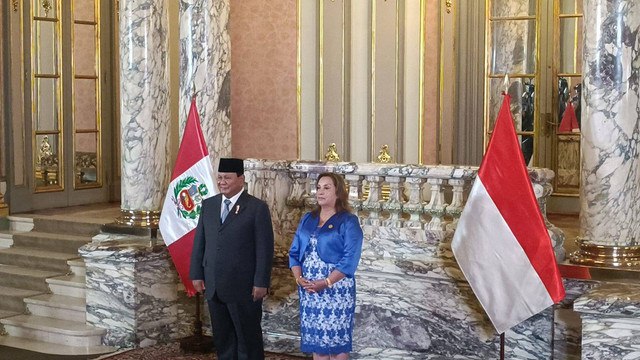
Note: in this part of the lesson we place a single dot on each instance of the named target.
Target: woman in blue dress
(323, 257)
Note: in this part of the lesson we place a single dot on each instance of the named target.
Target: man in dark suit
(231, 262)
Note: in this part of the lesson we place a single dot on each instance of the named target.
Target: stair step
(6, 238)
(63, 243)
(36, 258)
(7, 313)
(20, 223)
(69, 285)
(77, 267)
(54, 349)
(12, 298)
(58, 307)
(25, 278)
(57, 331)
(58, 225)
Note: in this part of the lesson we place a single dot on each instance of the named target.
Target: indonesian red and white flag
(501, 242)
(191, 183)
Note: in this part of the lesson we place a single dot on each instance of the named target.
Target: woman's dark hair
(342, 196)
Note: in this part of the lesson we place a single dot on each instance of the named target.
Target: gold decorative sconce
(16, 5)
(448, 4)
(384, 156)
(332, 153)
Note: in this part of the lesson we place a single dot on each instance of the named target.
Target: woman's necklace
(323, 219)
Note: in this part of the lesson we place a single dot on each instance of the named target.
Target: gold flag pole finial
(193, 90)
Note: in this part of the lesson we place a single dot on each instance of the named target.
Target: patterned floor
(173, 352)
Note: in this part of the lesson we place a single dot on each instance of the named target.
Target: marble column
(205, 66)
(144, 110)
(610, 175)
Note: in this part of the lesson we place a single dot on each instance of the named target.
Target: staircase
(42, 287)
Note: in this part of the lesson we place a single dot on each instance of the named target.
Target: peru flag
(501, 242)
(191, 183)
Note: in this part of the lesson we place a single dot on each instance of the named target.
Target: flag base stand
(197, 343)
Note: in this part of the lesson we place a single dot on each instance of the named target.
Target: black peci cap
(228, 165)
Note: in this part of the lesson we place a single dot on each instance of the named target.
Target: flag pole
(553, 330)
(505, 91)
(197, 343)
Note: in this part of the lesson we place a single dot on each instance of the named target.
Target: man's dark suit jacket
(235, 256)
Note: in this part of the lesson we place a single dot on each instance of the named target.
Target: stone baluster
(298, 190)
(394, 204)
(355, 191)
(414, 206)
(310, 201)
(436, 206)
(372, 204)
(542, 192)
(269, 186)
(250, 180)
(457, 202)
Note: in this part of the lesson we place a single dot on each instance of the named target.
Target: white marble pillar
(144, 110)
(205, 64)
(610, 192)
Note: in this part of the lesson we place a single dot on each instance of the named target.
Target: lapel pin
(330, 226)
(237, 209)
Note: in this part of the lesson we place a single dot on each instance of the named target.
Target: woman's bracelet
(298, 278)
(328, 281)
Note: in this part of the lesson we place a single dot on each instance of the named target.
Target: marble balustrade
(420, 197)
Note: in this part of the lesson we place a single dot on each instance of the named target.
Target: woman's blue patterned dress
(326, 318)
